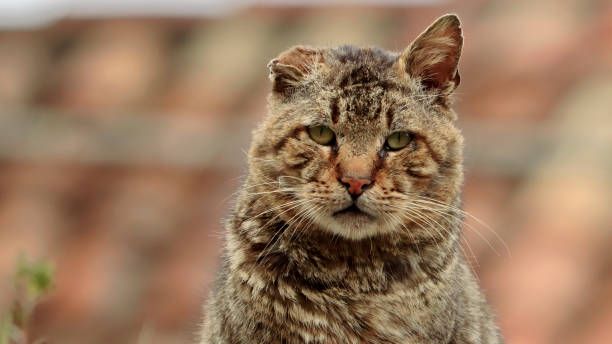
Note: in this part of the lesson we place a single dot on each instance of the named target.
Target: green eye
(321, 134)
(398, 140)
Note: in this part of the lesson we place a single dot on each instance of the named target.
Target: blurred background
(124, 127)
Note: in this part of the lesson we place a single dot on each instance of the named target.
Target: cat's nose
(355, 185)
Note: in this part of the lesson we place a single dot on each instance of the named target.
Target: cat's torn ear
(432, 58)
(291, 66)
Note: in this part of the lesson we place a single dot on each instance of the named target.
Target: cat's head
(359, 140)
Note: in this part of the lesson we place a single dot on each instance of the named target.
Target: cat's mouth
(352, 210)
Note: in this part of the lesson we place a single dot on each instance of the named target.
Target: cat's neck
(318, 259)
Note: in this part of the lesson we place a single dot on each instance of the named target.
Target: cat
(347, 228)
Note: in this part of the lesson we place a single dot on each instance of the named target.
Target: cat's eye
(321, 134)
(398, 140)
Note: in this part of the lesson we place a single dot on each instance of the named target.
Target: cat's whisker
(445, 217)
(307, 215)
(290, 181)
(272, 241)
(388, 222)
(441, 207)
(308, 224)
(301, 215)
(473, 256)
(465, 213)
(432, 222)
(396, 234)
(292, 177)
(293, 206)
(282, 205)
(467, 226)
(264, 160)
(247, 188)
(277, 207)
(418, 222)
(312, 219)
(284, 190)
(426, 224)
(399, 221)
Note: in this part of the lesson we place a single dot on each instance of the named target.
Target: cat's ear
(288, 70)
(432, 58)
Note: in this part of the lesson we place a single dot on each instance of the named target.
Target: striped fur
(295, 269)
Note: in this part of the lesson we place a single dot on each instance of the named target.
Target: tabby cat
(347, 229)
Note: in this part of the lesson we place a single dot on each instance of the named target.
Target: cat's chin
(352, 228)
(353, 212)
(356, 220)
(352, 223)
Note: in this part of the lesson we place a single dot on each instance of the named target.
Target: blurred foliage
(32, 281)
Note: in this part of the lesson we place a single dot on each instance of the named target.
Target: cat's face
(357, 143)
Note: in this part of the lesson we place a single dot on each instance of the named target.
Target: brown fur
(297, 271)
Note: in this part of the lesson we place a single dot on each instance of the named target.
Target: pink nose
(355, 185)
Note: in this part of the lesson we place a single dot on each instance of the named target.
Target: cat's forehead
(350, 68)
(348, 55)
(362, 84)
(374, 105)
(359, 92)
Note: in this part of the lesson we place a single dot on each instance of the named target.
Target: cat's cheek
(295, 155)
(421, 176)
(296, 162)
(412, 172)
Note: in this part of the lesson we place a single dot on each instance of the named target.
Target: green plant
(32, 281)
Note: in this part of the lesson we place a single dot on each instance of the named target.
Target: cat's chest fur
(341, 293)
(397, 316)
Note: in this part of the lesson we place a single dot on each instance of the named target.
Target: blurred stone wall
(122, 141)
